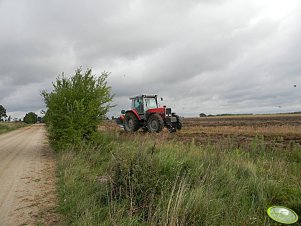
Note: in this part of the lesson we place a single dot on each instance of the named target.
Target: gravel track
(27, 178)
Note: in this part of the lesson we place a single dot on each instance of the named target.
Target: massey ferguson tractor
(146, 114)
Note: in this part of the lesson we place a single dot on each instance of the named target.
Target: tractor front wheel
(179, 122)
(155, 123)
(131, 122)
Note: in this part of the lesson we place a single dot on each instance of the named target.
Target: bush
(202, 115)
(76, 106)
(30, 118)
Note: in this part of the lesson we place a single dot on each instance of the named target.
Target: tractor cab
(143, 103)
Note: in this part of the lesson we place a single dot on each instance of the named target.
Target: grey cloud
(202, 56)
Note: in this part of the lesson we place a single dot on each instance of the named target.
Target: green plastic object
(282, 214)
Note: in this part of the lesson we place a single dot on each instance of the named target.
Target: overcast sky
(211, 56)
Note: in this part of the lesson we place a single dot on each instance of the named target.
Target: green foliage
(30, 118)
(202, 115)
(134, 182)
(76, 106)
(9, 126)
(2, 112)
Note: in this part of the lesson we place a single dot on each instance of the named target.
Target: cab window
(150, 103)
(138, 105)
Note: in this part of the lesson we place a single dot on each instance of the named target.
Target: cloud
(202, 56)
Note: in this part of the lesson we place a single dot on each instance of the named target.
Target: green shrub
(30, 118)
(76, 106)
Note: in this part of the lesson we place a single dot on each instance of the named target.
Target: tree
(202, 115)
(76, 106)
(2, 113)
(30, 118)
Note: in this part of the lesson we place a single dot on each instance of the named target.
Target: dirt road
(27, 178)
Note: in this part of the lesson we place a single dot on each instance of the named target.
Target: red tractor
(147, 114)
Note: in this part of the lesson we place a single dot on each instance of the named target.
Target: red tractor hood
(160, 111)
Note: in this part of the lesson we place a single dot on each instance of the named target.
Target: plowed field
(272, 130)
(280, 130)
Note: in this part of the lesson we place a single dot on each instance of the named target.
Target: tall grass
(134, 180)
(9, 126)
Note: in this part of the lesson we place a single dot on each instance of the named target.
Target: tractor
(146, 113)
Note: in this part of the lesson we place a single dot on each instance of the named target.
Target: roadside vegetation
(30, 118)
(150, 180)
(6, 123)
(9, 126)
(108, 177)
(2, 113)
(75, 108)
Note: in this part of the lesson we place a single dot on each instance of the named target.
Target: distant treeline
(292, 113)
(245, 114)
(226, 114)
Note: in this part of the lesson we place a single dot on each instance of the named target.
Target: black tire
(155, 123)
(144, 129)
(131, 122)
(179, 122)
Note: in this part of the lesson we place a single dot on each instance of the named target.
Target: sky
(201, 56)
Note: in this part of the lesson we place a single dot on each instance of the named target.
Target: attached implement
(146, 114)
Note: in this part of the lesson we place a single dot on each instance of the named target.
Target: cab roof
(144, 96)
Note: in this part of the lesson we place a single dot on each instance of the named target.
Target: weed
(149, 181)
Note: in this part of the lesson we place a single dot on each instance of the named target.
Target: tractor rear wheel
(155, 123)
(131, 122)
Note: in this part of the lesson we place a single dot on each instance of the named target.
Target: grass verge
(146, 180)
(9, 126)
